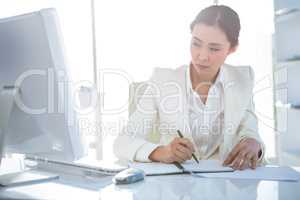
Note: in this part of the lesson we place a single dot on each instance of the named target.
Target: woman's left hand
(244, 155)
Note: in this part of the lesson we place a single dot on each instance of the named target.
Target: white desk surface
(157, 187)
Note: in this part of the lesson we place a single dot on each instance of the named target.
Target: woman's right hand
(179, 150)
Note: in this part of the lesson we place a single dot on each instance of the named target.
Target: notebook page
(205, 166)
(155, 168)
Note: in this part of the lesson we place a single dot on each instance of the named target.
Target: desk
(157, 187)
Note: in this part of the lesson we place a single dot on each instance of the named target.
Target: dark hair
(222, 16)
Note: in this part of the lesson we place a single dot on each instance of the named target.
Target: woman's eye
(214, 49)
(196, 44)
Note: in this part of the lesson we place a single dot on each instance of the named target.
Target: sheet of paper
(205, 166)
(272, 173)
(155, 168)
(191, 165)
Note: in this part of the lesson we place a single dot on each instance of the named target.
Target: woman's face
(209, 49)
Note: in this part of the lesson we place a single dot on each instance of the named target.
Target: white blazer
(162, 109)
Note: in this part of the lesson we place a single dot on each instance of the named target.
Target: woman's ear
(233, 49)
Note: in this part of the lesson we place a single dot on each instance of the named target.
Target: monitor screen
(42, 122)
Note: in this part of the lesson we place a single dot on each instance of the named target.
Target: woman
(208, 101)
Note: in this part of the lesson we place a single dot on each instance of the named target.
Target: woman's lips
(202, 66)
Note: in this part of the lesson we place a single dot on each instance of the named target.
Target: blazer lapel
(183, 117)
(235, 91)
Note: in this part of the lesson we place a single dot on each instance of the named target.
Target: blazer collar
(189, 88)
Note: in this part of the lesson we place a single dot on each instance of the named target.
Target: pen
(180, 135)
(178, 165)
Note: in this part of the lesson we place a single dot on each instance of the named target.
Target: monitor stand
(7, 99)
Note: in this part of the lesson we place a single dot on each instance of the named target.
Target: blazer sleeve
(131, 143)
(248, 128)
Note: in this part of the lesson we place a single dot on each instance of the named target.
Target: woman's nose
(203, 55)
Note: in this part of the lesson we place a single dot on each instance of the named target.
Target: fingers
(187, 154)
(186, 142)
(182, 149)
(182, 153)
(232, 155)
(251, 159)
(254, 160)
(179, 157)
(248, 159)
(243, 155)
(239, 160)
(244, 160)
(245, 165)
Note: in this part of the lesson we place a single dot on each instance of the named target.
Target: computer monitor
(42, 121)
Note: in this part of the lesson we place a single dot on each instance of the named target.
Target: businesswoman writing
(208, 101)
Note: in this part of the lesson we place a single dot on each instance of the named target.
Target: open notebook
(204, 166)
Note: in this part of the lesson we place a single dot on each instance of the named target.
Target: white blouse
(206, 120)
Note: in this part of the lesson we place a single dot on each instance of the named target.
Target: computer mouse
(130, 175)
